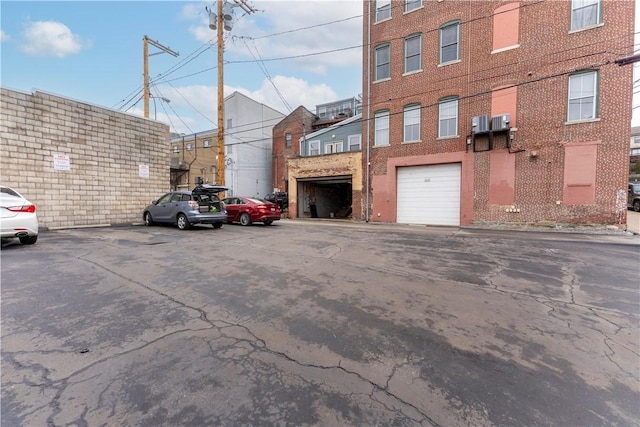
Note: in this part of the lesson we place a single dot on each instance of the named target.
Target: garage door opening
(429, 194)
(325, 198)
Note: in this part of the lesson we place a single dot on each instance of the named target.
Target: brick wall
(105, 149)
(538, 66)
(298, 123)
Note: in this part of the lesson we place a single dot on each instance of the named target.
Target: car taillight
(193, 204)
(24, 208)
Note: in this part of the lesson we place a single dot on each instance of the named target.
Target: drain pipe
(368, 100)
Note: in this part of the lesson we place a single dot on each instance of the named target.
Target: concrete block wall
(106, 150)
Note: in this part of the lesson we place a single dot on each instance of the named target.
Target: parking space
(319, 323)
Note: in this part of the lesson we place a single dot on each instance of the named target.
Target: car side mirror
(155, 202)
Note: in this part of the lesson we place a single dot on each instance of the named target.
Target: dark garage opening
(332, 197)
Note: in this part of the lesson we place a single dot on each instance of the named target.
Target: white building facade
(248, 145)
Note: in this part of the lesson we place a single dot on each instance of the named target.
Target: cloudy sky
(286, 54)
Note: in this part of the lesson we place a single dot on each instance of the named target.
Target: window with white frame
(314, 148)
(412, 123)
(176, 149)
(333, 147)
(412, 4)
(449, 42)
(381, 125)
(585, 13)
(383, 10)
(287, 140)
(412, 53)
(383, 64)
(355, 142)
(448, 117)
(189, 145)
(583, 96)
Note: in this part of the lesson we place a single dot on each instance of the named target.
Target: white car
(17, 217)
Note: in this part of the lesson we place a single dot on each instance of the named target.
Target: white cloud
(4, 36)
(197, 107)
(275, 17)
(50, 38)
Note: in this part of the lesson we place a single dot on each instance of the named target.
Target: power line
(466, 97)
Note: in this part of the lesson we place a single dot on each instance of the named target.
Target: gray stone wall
(104, 180)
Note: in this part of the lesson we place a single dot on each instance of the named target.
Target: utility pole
(145, 49)
(220, 169)
(223, 20)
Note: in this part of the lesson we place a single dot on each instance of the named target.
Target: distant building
(248, 146)
(634, 153)
(317, 160)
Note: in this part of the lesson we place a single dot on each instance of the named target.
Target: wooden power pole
(145, 48)
(223, 22)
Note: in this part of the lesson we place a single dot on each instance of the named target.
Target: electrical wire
(262, 60)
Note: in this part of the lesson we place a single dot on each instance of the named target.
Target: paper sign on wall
(143, 171)
(61, 162)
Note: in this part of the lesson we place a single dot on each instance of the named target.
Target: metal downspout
(368, 97)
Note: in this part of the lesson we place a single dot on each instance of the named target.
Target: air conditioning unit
(500, 122)
(480, 124)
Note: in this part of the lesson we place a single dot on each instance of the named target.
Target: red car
(246, 210)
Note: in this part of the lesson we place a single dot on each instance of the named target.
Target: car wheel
(268, 222)
(183, 222)
(28, 240)
(245, 219)
(217, 224)
(636, 205)
(148, 220)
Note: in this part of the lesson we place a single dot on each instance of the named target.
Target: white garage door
(429, 194)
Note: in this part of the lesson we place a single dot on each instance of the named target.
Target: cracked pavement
(320, 323)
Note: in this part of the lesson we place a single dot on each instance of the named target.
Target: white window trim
(415, 8)
(505, 49)
(457, 117)
(352, 137)
(591, 27)
(597, 24)
(375, 12)
(452, 24)
(315, 143)
(386, 114)
(595, 96)
(375, 63)
(413, 36)
(411, 108)
(336, 144)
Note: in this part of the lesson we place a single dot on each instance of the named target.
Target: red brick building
(496, 111)
(286, 135)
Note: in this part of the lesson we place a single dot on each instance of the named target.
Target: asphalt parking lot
(320, 323)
